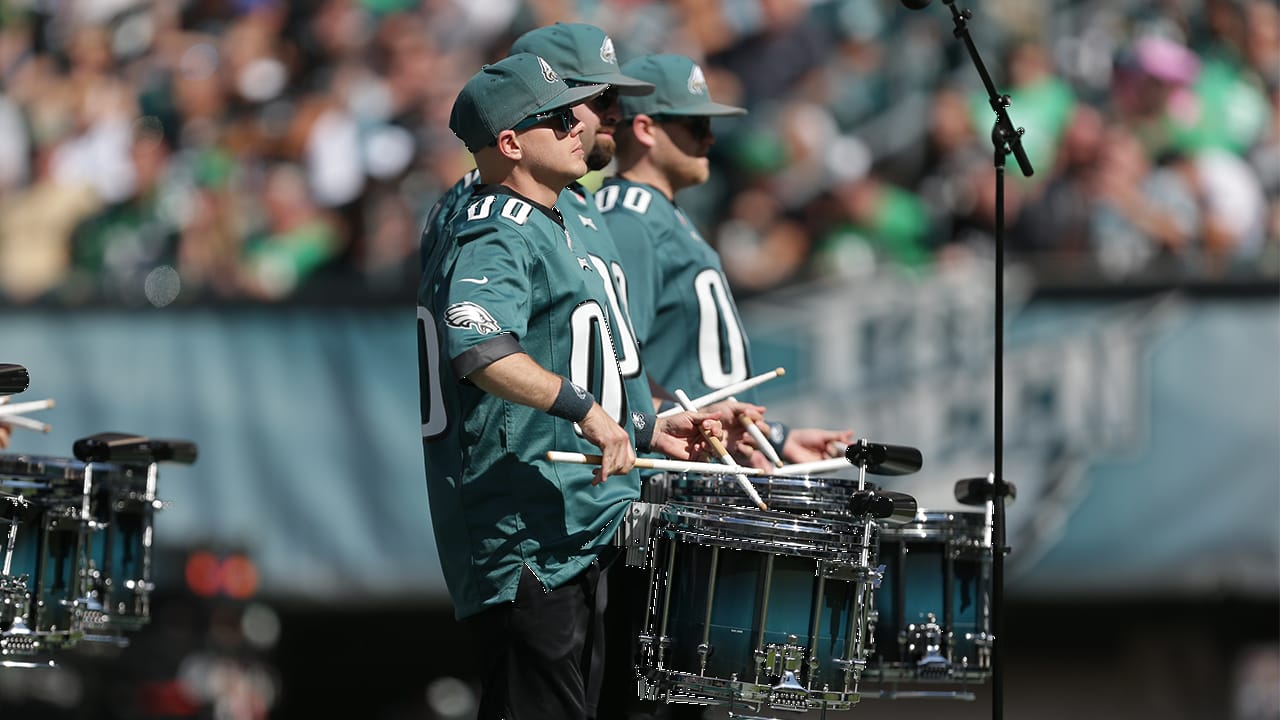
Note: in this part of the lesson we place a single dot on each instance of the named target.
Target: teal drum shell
(756, 606)
(932, 609)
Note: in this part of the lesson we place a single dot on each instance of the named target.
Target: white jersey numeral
(628, 351)
(635, 198)
(589, 329)
(434, 420)
(514, 209)
(716, 314)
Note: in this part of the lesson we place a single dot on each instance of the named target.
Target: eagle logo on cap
(607, 53)
(697, 81)
(469, 315)
(547, 73)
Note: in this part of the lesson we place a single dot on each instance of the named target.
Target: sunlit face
(601, 116)
(681, 148)
(553, 147)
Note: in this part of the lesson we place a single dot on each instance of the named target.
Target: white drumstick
(724, 454)
(649, 463)
(815, 467)
(25, 423)
(762, 442)
(724, 392)
(25, 407)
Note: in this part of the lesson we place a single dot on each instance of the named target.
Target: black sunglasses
(564, 116)
(699, 126)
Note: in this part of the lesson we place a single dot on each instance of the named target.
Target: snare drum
(758, 607)
(931, 621)
(815, 495)
(48, 553)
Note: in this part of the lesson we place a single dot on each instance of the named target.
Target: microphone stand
(1005, 139)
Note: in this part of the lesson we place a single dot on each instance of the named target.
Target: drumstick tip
(781, 371)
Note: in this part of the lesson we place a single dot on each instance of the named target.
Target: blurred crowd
(179, 151)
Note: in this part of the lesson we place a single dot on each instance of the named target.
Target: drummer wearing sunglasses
(512, 358)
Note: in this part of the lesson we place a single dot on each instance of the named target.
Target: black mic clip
(882, 459)
(981, 490)
(867, 502)
(13, 379)
(888, 505)
(126, 449)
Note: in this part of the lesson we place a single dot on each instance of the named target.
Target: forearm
(518, 378)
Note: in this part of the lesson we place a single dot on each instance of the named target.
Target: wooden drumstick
(723, 453)
(25, 407)
(648, 463)
(25, 422)
(724, 392)
(815, 467)
(753, 430)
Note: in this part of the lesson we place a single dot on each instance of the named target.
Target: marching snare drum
(82, 552)
(931, 621)
(759, 607)
(815, 495)
(48, 554)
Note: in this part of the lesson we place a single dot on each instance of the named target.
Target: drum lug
(924, 642)
(647, 643)
(781, 663)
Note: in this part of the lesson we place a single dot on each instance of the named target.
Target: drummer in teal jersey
(582, 54)
(514, 350)
(679, 301)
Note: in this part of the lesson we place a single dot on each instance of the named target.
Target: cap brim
(570, 97)
(625, 84)
(710, 109)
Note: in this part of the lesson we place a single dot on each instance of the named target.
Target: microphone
(882, 459)
(915, 4)
(125, 448)
(13, 378)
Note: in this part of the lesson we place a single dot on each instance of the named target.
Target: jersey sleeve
(481, 313)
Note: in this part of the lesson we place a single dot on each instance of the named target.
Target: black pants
(537, 654)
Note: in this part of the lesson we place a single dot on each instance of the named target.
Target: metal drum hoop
(956, 527)
(766, 531)
(803, 494)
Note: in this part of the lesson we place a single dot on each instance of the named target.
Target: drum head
(800, 494)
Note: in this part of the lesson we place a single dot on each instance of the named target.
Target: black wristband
(778, 435)
(573, 403)
(644, 424)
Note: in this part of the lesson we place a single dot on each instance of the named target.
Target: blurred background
(209, 216)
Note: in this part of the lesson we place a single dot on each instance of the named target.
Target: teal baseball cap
(581, 53)
(505, 92)
(680, 88)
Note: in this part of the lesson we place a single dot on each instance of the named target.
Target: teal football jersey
(511, 279)
(589, 231)
(430, 245)
(678, 298)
